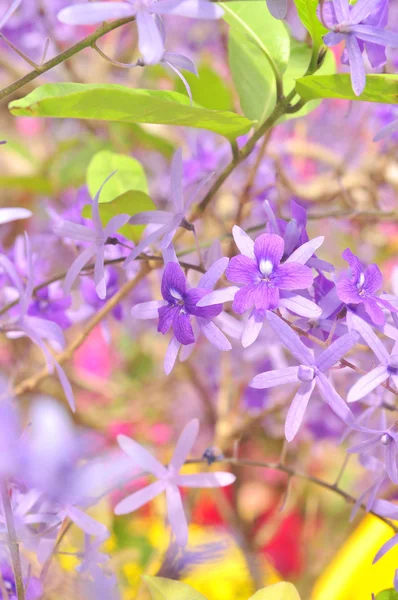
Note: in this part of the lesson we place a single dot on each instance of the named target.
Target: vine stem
(13, 542)
(333, 487)
(87, 42)
(29, 384)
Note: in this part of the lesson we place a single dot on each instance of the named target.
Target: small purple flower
(388, 363)
(150, 37)
(360, 26)
(37, 329)
(180, 304)
(310, 372)
(387, 442)
(169, 479)
(97, 239)
(169, 221)
(361, 288)
(267, 283)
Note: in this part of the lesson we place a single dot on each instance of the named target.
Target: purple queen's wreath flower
(97, 239)
(180, 304)
(361, 287)
(150, 37)
(310, 373)
(361, 27)
(169, 479)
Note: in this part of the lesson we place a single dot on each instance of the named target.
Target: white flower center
(386, 439)
(266, 267)
(175, 294)
(361, 281)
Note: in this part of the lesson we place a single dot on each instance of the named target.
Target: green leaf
(379, 88)
(131, 203)
(307, 12)
(130, 134)
(253, 34)
(129, 175)
(209, 89)
(387, 595)
(168, 589)
(118, 103)
(279, 591)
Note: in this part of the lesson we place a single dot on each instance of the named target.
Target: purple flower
(388, 363)
(310, 372)
(169, 479)
(37, 329)
(361, 288)
(151, 44)
(7, 15)
(179, 305)
(387, 442)
(277, 8)
(167, 222)
(360, 26)
(386, 131)
(259, 269)
(97, 239)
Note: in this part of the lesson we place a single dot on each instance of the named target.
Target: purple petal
(277, 8)
(376, 55)
(99, 272)
(176, 182)
(242, 269)
(170, 233)
(144, 243)
(337, 350)
(174, 283)
(348, 292)
(95, 206)
(166, 61)
(297, 409)
(85, 522)
(150, 41)
(183, 329)
(74, 231)
(47, 330)
(7, 215)
(357, 67)
(158, 217)
(140, 498)
(191, 300)
(269, 247)
(361, 10)
(179, 61)
(386, 509)
(210, 278)
(305, 251)
(391, 462)
(77, 266)
(373, 279)
(243, 241)
(355, 264)
(386, 548)
(370, 443)
(327, 15)
(176, 515)
(371, 339)
(166, 317)
(368, 33)
(335, 401)
(271, 379)
(171, 355)
(95, 12)
(291, 340)
(114, 224)
(374, 311)
(214, 335)
(197, 9)
(147, 310)
(141, 457)
(367, 383)
(260, 296)
(184, 445)
(293, 276)
(332, 38)
(11, 10)
(206, 480)
(342, 10)
(300, 306)
(252, 328)
(219, 296)
(66, 386)
(231, 326)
